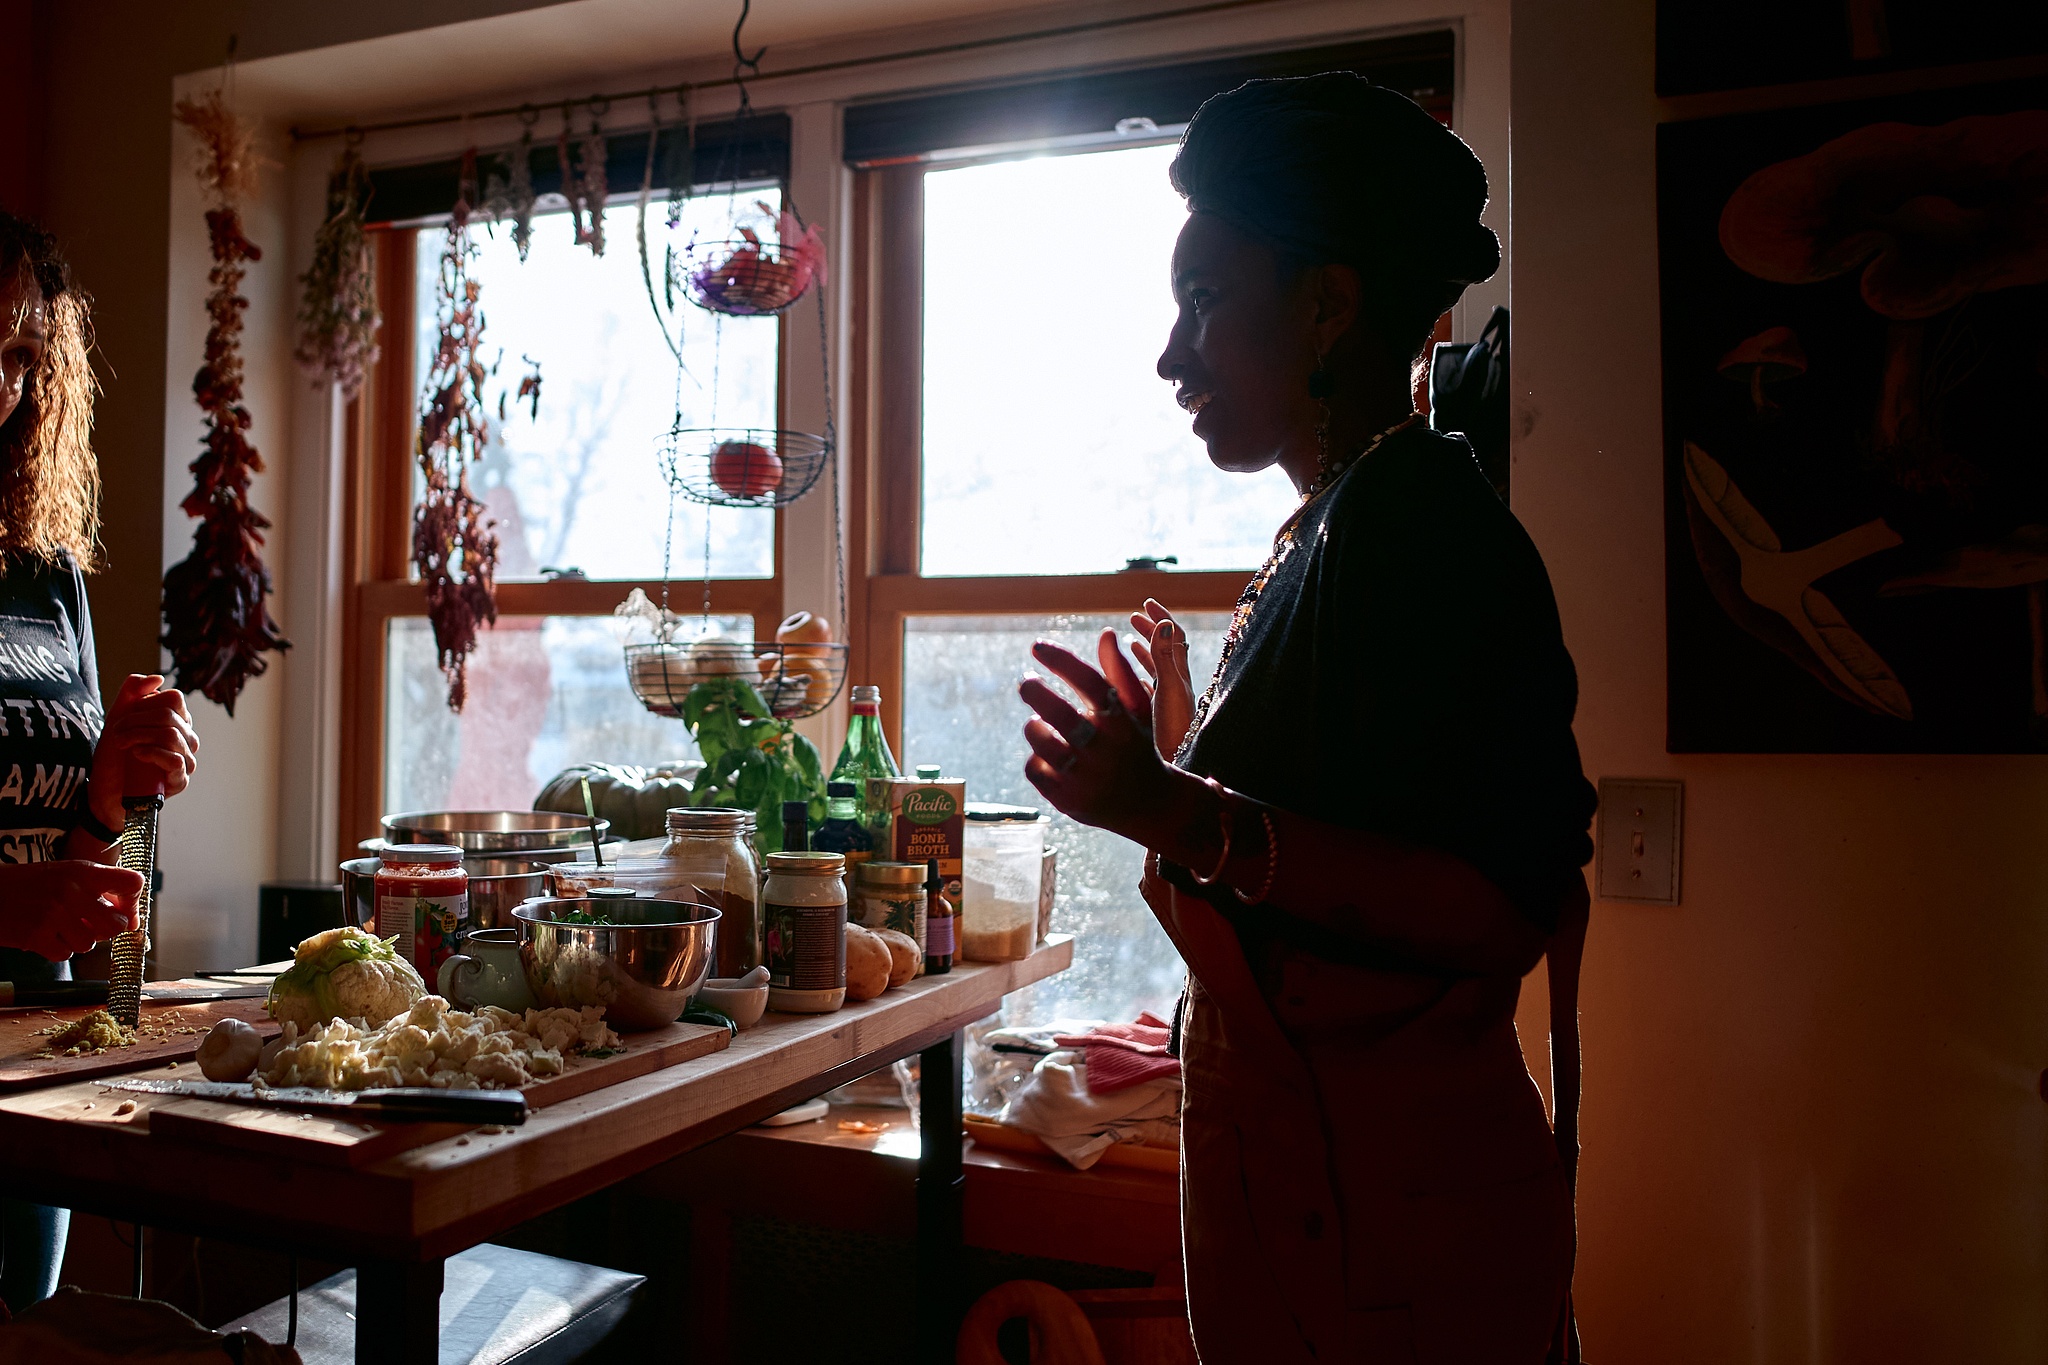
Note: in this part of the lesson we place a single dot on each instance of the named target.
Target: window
(582, 513)
(1020, 471)
(1041, 455)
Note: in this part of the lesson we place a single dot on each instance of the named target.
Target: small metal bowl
(642, 970)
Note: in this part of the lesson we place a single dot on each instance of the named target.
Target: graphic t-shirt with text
(50, 714)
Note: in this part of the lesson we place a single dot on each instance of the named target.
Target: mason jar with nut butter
(803, 915)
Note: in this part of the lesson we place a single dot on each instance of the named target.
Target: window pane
(960, 710)
(580, 484)
(1050, 445)
(544, 692)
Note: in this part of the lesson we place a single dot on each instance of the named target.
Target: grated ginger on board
(433, 1045)
(99, 1032)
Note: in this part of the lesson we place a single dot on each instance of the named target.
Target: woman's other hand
(1101, 766)
(149, 728)
(55, 909)
(1162, 651)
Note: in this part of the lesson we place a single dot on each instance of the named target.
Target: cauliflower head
(344, 974)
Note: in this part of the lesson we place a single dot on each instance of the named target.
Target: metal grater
(138, 854)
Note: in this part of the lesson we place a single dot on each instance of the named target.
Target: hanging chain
(832, 461)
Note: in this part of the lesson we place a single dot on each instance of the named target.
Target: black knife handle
(506, 1107)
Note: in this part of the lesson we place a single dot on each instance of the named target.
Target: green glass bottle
(866, 751)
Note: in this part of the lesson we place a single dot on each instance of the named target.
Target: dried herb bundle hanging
(454, 546)
(591, 187)
(338, 315)
(216, 624)
(513, 198)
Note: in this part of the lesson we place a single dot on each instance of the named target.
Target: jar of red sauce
(423, 899)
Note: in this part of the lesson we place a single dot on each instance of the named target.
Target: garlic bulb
(230, 1051)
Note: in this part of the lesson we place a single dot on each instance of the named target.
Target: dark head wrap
(1335, 170)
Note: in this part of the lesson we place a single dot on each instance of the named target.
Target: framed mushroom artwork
(1855, 351)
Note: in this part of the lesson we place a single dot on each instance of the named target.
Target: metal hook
(740, 58)
(598, 105)
(528, 115)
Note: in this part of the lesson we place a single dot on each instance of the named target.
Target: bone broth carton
(919, 819)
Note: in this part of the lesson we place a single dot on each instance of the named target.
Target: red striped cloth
(1120, 1056)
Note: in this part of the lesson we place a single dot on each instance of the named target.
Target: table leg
(939, 1189)
(398, 1313)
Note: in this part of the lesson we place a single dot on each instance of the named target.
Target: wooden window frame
(376, 549)
(885, 466)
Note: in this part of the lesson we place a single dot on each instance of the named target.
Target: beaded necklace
(1283, 545)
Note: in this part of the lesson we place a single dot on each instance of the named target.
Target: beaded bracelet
(1272, 864)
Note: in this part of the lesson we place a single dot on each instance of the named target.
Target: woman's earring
(1320, 386)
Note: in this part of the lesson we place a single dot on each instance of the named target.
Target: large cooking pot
(492, 894)
(493, 831)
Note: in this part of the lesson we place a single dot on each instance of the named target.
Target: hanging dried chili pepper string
(453, 544)
(217, 625)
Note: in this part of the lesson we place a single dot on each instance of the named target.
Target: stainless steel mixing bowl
(492, 831)
(643, 969)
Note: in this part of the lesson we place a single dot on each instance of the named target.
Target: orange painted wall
(1812, 1132)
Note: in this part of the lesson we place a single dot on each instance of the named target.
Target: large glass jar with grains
(714, 849)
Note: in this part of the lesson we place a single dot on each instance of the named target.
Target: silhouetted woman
(1369, 827)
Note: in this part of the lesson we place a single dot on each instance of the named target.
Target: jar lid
(421, 853)
(889, 874)
(866, 693)
(708, 820)
(808, 864)
(929, 772)
(841, 789)
(612, 893)
(995, 810)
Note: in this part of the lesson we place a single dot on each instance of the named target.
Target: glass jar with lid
(713, 849)
(890, 896)
(803, 911)
(422, 894)
(1002, 861)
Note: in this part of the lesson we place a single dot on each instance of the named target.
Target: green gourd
(636, 800)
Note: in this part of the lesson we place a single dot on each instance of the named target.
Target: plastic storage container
(1002, 856)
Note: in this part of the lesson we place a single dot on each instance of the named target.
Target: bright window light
(1050, 444)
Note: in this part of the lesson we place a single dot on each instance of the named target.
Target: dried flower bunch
(513, 197)
(338, 315)
(583, 185)
(216, 624)
(454, 545)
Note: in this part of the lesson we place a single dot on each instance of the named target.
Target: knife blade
(422, 1104)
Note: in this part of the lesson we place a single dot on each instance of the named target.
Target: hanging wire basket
(743, 466)
(795, 680)
(744, 276)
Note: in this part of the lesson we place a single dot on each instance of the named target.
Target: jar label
(805, 946)
(427, 927)
(938, 936)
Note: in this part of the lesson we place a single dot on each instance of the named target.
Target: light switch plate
(1638, 839)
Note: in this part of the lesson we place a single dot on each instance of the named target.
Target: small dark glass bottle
(938, 923)
(842, 831)
(796, 819)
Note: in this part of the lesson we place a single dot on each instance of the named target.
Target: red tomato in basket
(746, 470)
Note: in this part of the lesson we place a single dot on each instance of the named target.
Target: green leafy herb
(752, 759)
(578, 917)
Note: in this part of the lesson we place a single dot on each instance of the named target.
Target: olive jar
(715, 848)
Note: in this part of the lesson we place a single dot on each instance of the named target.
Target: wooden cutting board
(341, 1142)
(21, 1040)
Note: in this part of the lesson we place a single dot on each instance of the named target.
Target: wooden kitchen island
(399, 1215)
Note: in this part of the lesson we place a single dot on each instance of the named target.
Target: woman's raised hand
(147, 727)
(1098, 764)
(1162, 651)
(55, 909)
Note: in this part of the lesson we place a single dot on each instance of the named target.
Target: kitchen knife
(416, 1103)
